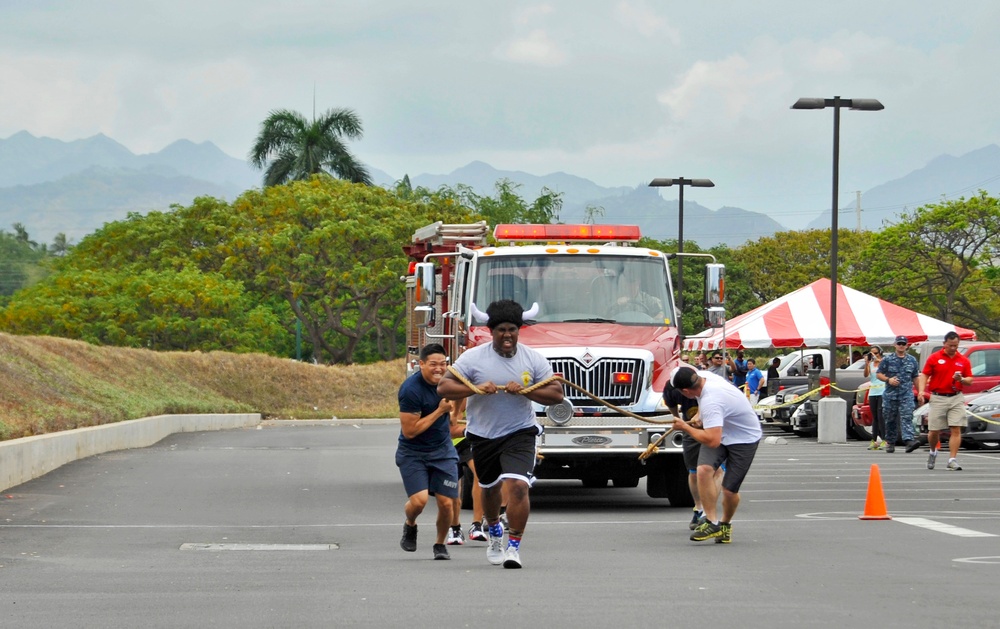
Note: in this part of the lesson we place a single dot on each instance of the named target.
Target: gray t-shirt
(493, 416)
(722, 404)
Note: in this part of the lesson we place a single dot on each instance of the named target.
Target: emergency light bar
(577, 233)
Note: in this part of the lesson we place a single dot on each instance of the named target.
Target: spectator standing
(945, 373)
(754, 378)
(425, 455)
(730, 433)
(718, 366)
(898, 371)
(738, 368)
(501, 422)
(773, 379)
(875, 390)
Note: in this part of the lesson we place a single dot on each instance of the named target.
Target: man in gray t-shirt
(718, 366)
(502, 426)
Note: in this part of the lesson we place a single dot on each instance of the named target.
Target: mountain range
(52, 186)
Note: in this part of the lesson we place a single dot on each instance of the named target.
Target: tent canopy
(802, 319)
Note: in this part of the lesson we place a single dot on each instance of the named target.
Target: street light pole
(858, 104)
(663, 182)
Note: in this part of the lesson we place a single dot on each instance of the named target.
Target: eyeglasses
(716, 357)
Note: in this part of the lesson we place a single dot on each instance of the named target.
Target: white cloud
(647, 22)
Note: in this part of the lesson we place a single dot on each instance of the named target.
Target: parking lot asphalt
(298, 526)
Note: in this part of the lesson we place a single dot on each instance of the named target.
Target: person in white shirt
(730, 432)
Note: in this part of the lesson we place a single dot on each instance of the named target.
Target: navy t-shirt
(418, 396)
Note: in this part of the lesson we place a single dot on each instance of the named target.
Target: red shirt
(940, 371)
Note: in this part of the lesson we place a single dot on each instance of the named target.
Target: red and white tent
(802, 319)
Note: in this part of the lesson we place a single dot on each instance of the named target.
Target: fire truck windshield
(593, 288)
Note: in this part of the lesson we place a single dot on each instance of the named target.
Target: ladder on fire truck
(448, 236)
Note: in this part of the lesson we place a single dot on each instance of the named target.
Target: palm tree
(298, 148)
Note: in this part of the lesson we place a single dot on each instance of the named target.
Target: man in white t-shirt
(730, 432)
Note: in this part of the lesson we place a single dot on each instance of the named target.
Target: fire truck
(582, 281)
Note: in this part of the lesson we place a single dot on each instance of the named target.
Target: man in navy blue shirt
(426, 458)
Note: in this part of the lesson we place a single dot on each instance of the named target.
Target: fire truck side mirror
(715, 285)
(424, 316)
(715, 317)
(425, 284)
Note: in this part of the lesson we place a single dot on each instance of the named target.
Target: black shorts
(510, 456)
(691, 450)
(737, 458)
(434, 472)
(464, 449)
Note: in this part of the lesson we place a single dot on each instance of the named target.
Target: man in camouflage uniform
(898, 371)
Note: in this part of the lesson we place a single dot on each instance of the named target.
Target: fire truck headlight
(560, 413)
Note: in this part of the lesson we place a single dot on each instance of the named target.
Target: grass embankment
(49, 384)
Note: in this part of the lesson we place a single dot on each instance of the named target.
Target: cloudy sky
(618, 92)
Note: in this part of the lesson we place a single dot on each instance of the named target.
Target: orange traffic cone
(875, 502)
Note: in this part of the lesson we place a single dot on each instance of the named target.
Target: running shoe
(441, 552)
(477, 534)
(727, 533)
(695, 519)
(931, 459)
(511, 558)
(409, 540)
(494, 552)
(706, 531)
(954, 466)
(455, 536)
(873, 445)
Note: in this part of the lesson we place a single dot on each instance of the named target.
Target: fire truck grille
(599, 379)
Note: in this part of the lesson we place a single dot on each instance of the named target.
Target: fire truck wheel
(667, 478)
(625, 481)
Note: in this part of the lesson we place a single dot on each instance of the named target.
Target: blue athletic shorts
(435, 472)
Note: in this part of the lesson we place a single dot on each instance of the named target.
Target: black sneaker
(441, 552)
(912, 445)
(890, 448)
(727, 533)
(409, 540)
(706, 531)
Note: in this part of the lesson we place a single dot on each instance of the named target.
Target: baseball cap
(902, 339)
(683, 378)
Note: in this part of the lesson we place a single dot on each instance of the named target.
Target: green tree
(298, 149)
(507, 206)
(943, 260)
(160, 310)
(332, 251)
(779, 264)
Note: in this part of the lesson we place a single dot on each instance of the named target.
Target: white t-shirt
(722, 404)
(493, 416)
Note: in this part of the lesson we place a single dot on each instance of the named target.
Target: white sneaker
(455, 537)
(477, 534)
(494, 552)
(511, 558)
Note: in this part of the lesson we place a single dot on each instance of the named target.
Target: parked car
(983, 414)
(805, 420)
(782, 416)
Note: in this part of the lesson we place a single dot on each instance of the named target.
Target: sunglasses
(901, 343)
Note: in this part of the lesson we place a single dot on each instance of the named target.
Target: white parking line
(943, 528)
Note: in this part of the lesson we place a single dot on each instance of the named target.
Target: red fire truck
(589, 323)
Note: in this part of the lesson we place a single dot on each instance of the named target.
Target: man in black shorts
(687, 409)
(501, 422)
(730, 433)
(425, 456)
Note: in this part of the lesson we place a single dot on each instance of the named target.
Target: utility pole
(857, 210)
